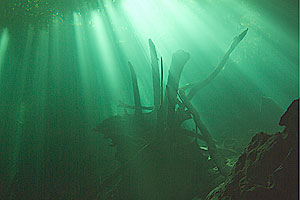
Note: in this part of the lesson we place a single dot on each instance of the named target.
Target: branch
(124, 105)
(155, 75)
(136, 93)
(196, 86)
(219, 161)
(161, 82)
(179, 59)
(161, 113)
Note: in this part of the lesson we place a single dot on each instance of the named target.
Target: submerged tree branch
(155, 75)
(124, 105)
(179, 59)
(136, 93)
(215, 156)
(196, 86)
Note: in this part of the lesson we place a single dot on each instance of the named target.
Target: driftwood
(155, 75)
(196, 86)
(124, 105)
(171, 109)
(136, 93)
(161, 116)
(161, 81)
(179, 59)
(212, 149)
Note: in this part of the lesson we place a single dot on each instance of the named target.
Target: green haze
(61, 76)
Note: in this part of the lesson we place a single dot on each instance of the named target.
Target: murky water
(64, 69)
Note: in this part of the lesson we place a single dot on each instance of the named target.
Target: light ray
(3, 46)
(107, 57)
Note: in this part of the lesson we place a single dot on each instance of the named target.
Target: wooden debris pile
(158, 158)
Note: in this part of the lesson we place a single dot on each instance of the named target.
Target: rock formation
(268, 168)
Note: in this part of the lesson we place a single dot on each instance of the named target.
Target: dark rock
(290, 118)
(268, 168)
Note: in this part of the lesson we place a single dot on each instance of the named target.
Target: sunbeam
(3, 46)
(143, 99)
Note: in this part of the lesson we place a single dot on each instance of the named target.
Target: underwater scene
(149, 99)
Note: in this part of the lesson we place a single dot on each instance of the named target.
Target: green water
(63, 69)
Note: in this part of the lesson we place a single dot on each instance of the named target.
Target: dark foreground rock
(268, 168)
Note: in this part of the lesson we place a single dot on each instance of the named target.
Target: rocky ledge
(268, 168)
